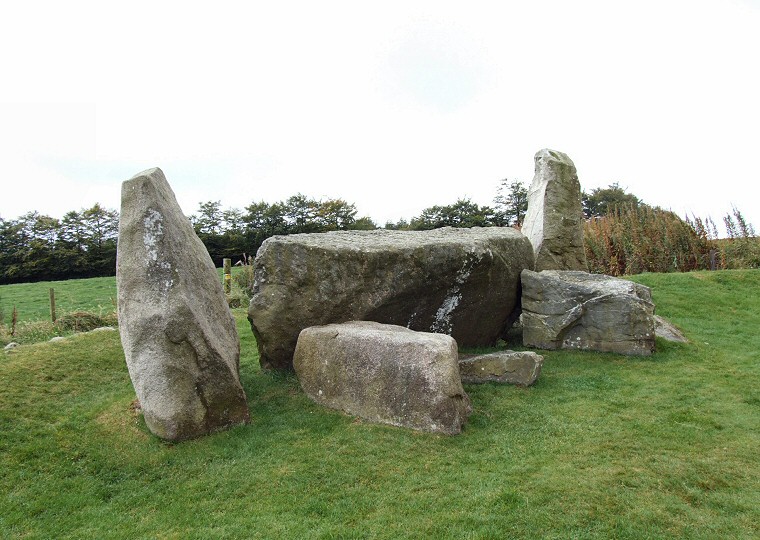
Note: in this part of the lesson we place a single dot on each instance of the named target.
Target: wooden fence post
(52, 304)
(227, 275)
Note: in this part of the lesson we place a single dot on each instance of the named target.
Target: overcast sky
(394, 106)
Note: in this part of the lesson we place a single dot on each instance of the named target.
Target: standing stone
(179, 336)
(461, 282)
(384, 373)
(554, 220)
(521, 368)
(578, 310)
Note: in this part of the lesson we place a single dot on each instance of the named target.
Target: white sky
(394, 106)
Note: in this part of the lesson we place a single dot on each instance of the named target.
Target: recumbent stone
(461, 282)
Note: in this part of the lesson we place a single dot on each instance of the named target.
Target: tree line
(620, 233)
(37, 247)
(82, 244)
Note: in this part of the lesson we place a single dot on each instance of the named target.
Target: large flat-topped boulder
(384, 373)
(461, 282)
(554, 219)
(179, 336)
(578, 310)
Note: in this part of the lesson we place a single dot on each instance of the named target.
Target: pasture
(603, 446)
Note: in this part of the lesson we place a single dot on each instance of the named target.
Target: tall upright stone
(554, 220)
(179, 337)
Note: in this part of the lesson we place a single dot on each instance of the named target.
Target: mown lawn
(603, 446)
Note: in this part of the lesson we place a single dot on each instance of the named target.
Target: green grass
(32, 300)
(603, 446)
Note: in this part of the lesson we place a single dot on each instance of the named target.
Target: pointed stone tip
(554, 155)
(155, 171)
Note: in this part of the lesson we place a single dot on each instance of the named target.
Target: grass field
(603, 446)
(32, 300)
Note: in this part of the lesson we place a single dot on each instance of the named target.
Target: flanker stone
(521, 368)
(554, 219)
(578, 310)
(667, 330)
(179, 336)
(461, 282)
(384, 373)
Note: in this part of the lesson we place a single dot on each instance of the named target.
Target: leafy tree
(511, 203)
(335, 215)
(601, 201)
(301, 214)
(400, 225)
(101, 225)
(233, 221)
(363, 224)
(463, 213)
(72, 233)
(209, 218)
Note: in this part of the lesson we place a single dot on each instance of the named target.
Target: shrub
(742, 248)
(632, 239)
(243, 279)
(83, 321)
(70, 323)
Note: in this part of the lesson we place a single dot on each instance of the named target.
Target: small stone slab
(385, 374)
(520, 368)
(667, 330)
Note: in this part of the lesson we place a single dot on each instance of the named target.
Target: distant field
(32, 300)
(603, 446)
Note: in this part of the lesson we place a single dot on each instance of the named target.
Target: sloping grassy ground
(603, 446)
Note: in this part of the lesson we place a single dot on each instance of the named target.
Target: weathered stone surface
(554, 220)
(511, 367)
(57, 339)
(384, 373)
(461, 282)
(12, 345)
(578, 310)
(666, 330)
(179, 336)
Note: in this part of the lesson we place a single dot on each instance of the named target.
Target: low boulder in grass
(578, 310)
(460, 282)
(385, 374)
(520, 368)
